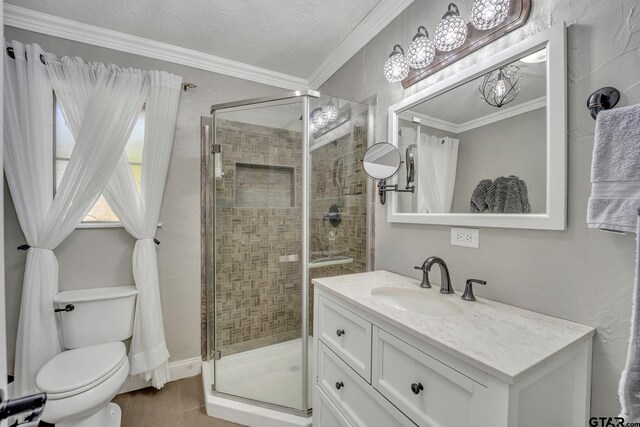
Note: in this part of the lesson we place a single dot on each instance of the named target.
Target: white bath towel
(615, 170)
(629, 388)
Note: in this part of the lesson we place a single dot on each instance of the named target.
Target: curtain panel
(101, 104)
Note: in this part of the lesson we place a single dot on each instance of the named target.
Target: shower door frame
(209, 148)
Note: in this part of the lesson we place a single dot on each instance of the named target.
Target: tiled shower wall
(258, 297)
(337, 178)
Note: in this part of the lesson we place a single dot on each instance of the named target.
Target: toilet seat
(75, 371)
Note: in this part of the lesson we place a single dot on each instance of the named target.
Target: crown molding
(379, 17)
(516, 110)
(43, 23)
(432, 122)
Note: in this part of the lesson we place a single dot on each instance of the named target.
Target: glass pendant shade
(396, 67)
(318, 118)
(451, 32)
(421, 50)
(330, 112)
(487, 14)
(500, 86)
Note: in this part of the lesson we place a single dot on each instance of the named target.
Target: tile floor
(178, 404)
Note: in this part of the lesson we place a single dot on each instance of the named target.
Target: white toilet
(81, 381)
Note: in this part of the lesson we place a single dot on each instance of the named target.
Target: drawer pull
(416, 388)
(339, 385)
(340, 332)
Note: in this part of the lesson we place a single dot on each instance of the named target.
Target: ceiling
(449, 108)
(293, 37)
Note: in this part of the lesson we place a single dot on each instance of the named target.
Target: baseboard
(178, 370)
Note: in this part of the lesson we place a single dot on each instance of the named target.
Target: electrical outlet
(468, 237)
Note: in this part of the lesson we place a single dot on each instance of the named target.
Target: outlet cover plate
(467, 237)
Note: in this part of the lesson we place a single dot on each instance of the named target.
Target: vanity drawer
(356, 399)
(425, 389)
(326, 414)
(346, 333)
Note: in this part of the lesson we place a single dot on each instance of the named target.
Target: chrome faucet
(445, 279)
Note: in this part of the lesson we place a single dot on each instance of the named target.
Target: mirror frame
(554, 39)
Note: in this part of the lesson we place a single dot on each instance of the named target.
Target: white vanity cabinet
(371, 370)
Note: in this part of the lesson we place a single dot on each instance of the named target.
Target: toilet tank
(99, 315)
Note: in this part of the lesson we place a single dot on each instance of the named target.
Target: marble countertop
(500, 339)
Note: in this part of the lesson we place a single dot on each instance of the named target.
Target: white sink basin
(425, 302)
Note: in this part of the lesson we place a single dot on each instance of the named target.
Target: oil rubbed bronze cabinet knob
(339, 385)
(416, 388)
(340, 332)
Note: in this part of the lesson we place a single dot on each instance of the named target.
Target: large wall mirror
(489, 143)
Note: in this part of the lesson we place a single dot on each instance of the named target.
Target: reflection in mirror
(480, 147)
(381, 161)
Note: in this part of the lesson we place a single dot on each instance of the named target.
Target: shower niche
(264, 186)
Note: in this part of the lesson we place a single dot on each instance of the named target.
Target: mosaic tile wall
(258, 300)
(337, 178)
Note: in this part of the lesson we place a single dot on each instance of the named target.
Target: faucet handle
(468, 290)
(425, 276)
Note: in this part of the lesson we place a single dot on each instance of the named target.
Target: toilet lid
(74, 371)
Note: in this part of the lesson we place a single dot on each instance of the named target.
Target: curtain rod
(12, 54)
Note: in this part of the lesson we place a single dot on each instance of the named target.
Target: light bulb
(421, 50)
(451, 31)
(396, 67)
(500, 89)
(487, 14)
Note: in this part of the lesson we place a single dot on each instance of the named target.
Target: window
(101, 212)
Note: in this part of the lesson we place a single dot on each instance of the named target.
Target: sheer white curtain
(107, 104)
(437, 163)
(139, 212)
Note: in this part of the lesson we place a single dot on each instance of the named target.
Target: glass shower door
(258, 289)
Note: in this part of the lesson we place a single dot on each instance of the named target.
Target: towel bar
(603, 99)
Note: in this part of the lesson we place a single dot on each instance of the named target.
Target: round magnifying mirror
(382, 161)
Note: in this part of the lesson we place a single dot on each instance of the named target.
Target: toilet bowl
(81, 381)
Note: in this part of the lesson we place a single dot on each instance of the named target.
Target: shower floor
(271, 374)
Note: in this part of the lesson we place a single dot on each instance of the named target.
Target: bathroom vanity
(389, 353)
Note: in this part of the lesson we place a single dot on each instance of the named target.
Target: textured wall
(102, 257)
(579, 274)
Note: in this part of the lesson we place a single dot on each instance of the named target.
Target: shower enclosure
(285, 200)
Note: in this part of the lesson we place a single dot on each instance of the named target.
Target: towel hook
(603, 99)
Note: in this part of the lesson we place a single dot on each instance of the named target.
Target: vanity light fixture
(330, 112)
(421, 50)
(318, 118)
(487, 14)
(500, 86)
(451, 32)
(396, 67)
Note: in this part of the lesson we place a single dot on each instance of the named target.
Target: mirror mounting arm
(383, 188)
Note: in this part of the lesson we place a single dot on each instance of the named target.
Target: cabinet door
(347, 334)
(355, 398)
(423, 388)
(326, 414)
